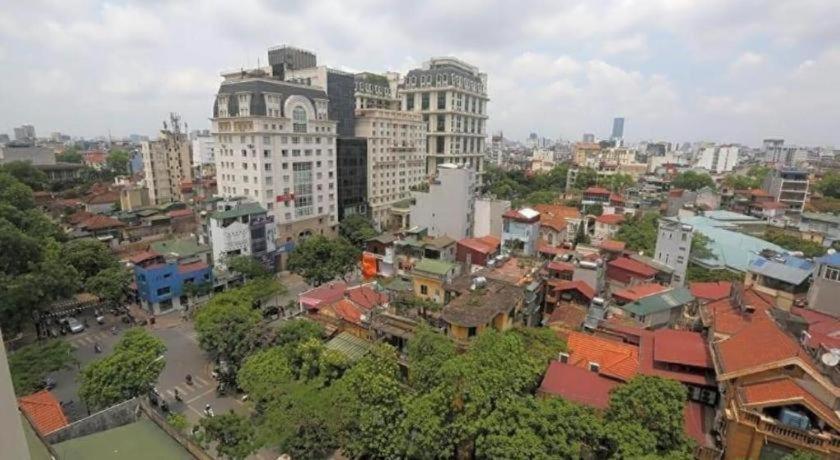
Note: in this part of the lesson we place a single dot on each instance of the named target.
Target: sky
(677, 70)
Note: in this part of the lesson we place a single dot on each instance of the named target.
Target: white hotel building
(276, 146)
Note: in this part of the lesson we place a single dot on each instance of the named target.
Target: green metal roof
(241, 209)
(437, 267)
(139, 440)
(659, 302)
(396, 284)
(184, 247)
(349, 345)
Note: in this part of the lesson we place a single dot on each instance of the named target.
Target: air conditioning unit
(563, 357)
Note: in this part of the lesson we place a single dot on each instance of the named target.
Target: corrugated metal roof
(731, 249)
(660, 302)
(794, 273)
(349, 345)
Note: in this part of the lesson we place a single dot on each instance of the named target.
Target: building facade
(38, 156)
(719, 159)
(160, 280)
(242, 228)
(277, 147)
(167, 163)
(488, 216)
(25, 133)
(396, 144)
(448, 205)
(203, 147)
(521, 231)
(825, 286)
(673, 247)
(451, 95)
(789, 186)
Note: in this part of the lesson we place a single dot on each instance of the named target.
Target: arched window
(299, 119)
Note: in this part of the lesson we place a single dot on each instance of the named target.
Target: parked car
(74, 325)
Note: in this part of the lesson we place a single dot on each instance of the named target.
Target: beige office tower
(396, 145)
(452, 97)
(167, 162)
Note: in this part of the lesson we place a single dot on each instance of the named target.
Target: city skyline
(712, 71)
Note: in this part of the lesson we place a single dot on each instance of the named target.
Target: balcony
(821, 441)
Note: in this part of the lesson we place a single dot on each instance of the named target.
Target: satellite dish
(830, 359)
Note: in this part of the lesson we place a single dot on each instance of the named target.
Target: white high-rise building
(167, 163)
(203, 146)
(718, 159)
(452, 97)
(447, 207)
(396, 144)
(276, 145)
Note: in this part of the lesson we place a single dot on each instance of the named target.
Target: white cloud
(746, 61)
(633, 44)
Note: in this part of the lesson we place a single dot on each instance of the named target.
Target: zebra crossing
(188, 393)
(87, 339)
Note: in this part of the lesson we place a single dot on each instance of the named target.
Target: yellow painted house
(493, 305)
(430, 276)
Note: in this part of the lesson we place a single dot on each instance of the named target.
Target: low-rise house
(382, 248)
(596, 195)
(100, 226)
(429, 278)
(607, 226)
(783, 277)
(477, 251)
(487, 304)
(241, 228)
(352, 312)
(160, 279)
(820, 227)
(625, 271)
(578, 385)
(562, 294)
(710, 291)
(102, 202)
(554, 222)
(521, 231)
(559, 270)
(638, 291)
(44, 412)
(824, 293)
(612, 248)
(663, 309)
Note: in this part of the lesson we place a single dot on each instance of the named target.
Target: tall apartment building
(204, 148)
(452, 97)
(167, 162)
(277, 146)
(396, 144)
(718, 159)
(617, 129)
(789, 186)
(673, 247)
(25, 133)
(447, 207)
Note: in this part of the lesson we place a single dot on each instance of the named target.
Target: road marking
(202, 381)
(197, 397)
(171, 393)
(200, 414)
(180, 390)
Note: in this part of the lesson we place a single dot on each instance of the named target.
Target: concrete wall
(488, 217)
(447, 208)
(115, 416)
(673, 247)
(12, 438)
(824, 293)
(36, 155)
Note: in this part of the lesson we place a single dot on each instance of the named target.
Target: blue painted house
(160, 281)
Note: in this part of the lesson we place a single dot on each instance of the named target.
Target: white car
(74, 325)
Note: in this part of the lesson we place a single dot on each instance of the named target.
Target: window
(832, 273)
(164, 290)
(441, 100)
(299, 120)
(424, 289)
(684, 236)
(266, 153)
(424, 104)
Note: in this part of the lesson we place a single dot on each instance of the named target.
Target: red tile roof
(554, 216)
(617, 360)
(695, 422)
(558, 266)
(786, 391)
(760, 344)
(639, 291)
(710, 291)
(192, 267)
(728, 319)
(681, 347)
(581, 286)
(142, 256)
(577, 385)
(78, 217)
(346, 310)
(610, 219)
(100, 222)
(44, 411)
(824, 330)
(180, 213)
(612, 245)
(326, 293)
(103, 198)
(597, 191)
(546, 248)
(633, 266)
(516, 214)
(571, 315)
(366, 297)
(484, 245)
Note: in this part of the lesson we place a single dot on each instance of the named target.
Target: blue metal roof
(724, 215)
(830, 259)
(731, 249)
(789, 269)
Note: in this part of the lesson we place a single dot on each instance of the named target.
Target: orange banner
(369, 267)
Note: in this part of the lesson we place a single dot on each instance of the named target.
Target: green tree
(134, 365)
(118, 161)
(580, 236)
(17, 249)
(247, 266)
(70, 155)
(792, 243)
(702, 274)
(357, 229)
(657, 405)
(110, 284)
(700, 247)
(265, 374)
(178, 421)
(295, 331)
(541, 197)
(595, 209)
(586, 177)
(233, 434)
(228, 326)
(427, 352)
(829, 185)
(640, 233)
(32, 363)
(617, 182)
(319, 259)
(628, 440)
(15, 193)
(28, 174)
(692, 180)
(801, 455)
(88, 256)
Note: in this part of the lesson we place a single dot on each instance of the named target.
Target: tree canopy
(829, 185)
(586, 177)
(69, 155)
(234, 436)
(516, 185)
(639, 233)
(228, 325)
(692, 180)
(118, 162)
(28, 174)
(793, 243)
(357, 229)
(110, 284)
(32, 363)
(319, 259)
(134, 365)
(247, 266)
